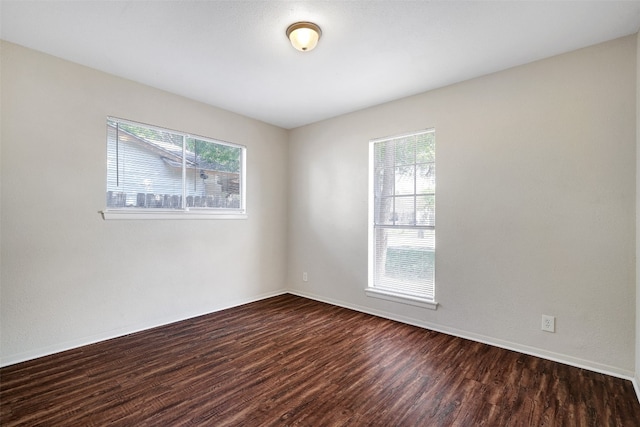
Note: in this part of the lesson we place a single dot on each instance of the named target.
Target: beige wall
(637, 376)
(69, 277)
(535, 206)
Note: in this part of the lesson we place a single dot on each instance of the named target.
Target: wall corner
(636, 379)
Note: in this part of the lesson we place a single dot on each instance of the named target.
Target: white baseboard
(636, 387)
(532, 351)
(80, 342)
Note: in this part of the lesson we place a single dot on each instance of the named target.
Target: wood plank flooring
(290, 361)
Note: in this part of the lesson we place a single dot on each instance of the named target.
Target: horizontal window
(156, 172)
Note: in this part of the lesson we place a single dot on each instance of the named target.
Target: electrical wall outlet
(305, 277)
(548, 323)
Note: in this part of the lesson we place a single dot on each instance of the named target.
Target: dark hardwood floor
(289, 361)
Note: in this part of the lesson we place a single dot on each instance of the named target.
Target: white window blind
(402, 215)
(150, 168)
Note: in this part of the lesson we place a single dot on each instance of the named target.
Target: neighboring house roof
(172, 153)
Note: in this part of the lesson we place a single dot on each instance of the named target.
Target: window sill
(116, 214)
(404, 299)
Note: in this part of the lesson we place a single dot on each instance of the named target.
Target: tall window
(402, 218)
(152, 169)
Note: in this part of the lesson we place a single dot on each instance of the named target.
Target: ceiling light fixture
(304, 36)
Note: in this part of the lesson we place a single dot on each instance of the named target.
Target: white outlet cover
(548, 323)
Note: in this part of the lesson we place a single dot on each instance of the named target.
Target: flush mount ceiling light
(304, 36)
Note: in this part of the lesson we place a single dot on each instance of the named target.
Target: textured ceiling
(234, 54)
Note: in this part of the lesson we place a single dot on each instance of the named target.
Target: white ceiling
(235, 55)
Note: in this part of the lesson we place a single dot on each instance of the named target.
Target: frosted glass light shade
(304, 36)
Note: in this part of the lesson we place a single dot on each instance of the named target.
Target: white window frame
(129, 213)
(371, 290)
